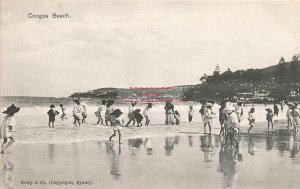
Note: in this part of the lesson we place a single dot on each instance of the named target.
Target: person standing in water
(208, 116)
(131, 110)
(138, 117)
(109, 110)
(147, 113)
(295, 118)
(276, 110)
(101, 112)
(177, 117)
(239, 111)
(251, 118)
(63, 112)
(233, 126)
(77, 112)
(84, 112)
(191, 114)
(7, 126)
(269, 118)
(52, 113)
(169, 111)
(288, 116)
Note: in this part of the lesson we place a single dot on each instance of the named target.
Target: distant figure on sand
(101, 112)
(191, 114)
(169, 111)
(138, 117)
(63, 112)
(117, 121)
(7, 126)
(276, 110)
(269, 118)
(109, 110)
(77, 112)
(131, 110)
(147, 113)
(177, 117)
(208, 117)
(52, 113)
(251, 118)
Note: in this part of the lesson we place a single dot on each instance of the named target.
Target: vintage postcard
(162, 94)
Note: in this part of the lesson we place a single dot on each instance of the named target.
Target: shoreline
(156, 130)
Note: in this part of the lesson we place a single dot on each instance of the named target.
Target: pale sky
(137, 43)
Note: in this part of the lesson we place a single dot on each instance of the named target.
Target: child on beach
(63, 112)
(208, 116)
(7, 126)
(295, 118)
(269, 118)
(147, 113)
(222, 118)
(191, 113)
(177, 117)
(251, 119)
(169, 111)
(239, 111)
(202, 110)
(52, 113)
(117, 121)
(109, 110)
(131, 117)
(138, 117)
(77, 111)
(101, 112)
(288, 116)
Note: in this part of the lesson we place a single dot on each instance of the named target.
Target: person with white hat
(7, 126)
(77, 111)
(208, 116)
(232, 125)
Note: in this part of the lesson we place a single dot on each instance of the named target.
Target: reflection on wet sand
(293, 145)
(169, 145)
(251, 145)
(135, 145)
(208, 147)
(114, 160)
(216, 165)
(190, 141)
(269, 141)
(8, 169)
(148, 146)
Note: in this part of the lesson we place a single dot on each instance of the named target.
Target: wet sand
(170, 157)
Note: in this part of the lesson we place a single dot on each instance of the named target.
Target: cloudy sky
(137, 43)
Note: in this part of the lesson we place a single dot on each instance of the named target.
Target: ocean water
(32, 120)
(263, 160)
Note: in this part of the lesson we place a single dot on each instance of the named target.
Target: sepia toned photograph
(149, 94)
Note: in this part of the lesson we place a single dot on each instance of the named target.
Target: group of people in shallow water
(230, 117)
